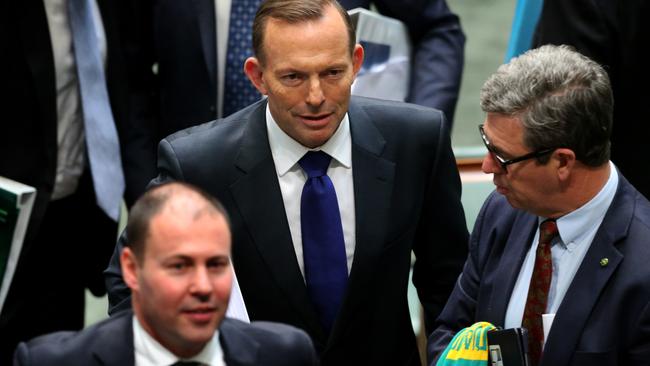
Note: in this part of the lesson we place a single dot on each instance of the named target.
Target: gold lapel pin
(604, 262)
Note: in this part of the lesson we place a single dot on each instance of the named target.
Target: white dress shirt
(148, 352)
(222, 17)
(286, 154)
(71, 154)
(576, 232)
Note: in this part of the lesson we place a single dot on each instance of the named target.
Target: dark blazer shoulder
(221, 132)
(389, 109)
(196, 153)
(265, 343)
(110, 341)
(404, 125)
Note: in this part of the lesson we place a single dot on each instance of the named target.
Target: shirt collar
(573, 226)
(156, 354)
(287, 152)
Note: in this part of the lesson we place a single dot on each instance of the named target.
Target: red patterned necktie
(540, 283)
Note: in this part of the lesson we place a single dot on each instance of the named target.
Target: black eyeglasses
(505, 162)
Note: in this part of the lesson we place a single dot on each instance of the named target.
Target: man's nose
(490, 165)
(315, 96)
(201, 284)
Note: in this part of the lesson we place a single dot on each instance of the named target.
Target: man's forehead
(328, 15)
(501, 129)
(502, 122)
(180, 225)
(189, 254)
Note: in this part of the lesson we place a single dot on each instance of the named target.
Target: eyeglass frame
(505, 162)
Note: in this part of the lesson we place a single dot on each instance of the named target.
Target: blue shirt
(577, 230)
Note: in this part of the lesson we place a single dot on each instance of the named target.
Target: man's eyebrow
(491, 147)
(178, 257)
(496, 149)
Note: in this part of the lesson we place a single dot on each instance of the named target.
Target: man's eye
(497, 153)
(218, 264)
(178, 266)
(290, 77)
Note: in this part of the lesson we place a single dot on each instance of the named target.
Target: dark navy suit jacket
(604, 318)
(110, 343)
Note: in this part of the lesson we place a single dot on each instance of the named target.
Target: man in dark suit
(549, 119)
(191, 55)
(395, 179)
(616, 34)
(177, 264)
(69, 238)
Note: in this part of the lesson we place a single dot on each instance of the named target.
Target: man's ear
(254, 70)
(357, 58)
(130, 268)
(565, 160)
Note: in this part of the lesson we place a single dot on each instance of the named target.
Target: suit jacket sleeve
(119, 295)
(440, 244)
(438, 51)
(461, 308)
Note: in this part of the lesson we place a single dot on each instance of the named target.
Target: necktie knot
(315, 163)
(186, 363)
(547, 231)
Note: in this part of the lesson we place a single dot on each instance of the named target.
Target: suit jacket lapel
(259, 199)
(205, 15)
(508, 268)
(373, 185)
(590, 280)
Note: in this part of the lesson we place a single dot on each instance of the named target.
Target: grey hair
(562, 98)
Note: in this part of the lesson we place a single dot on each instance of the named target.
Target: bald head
(180, 200)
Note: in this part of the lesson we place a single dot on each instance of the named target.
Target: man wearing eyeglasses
(562, 246)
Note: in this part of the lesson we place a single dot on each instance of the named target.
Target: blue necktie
(238, 90)
(101, 136)
(326, 270)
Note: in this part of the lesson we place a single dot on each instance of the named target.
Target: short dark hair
(151, 203)
(292, 12)
(561, 98)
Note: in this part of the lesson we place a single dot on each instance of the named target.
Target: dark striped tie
(540, 283)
